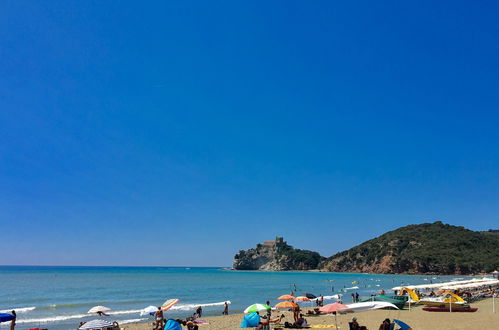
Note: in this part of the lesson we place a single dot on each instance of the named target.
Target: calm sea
(58, 297)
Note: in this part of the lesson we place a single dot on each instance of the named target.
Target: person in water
(160, 320)
(199, 311)
(226, 309)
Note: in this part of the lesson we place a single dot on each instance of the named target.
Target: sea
(58, 298)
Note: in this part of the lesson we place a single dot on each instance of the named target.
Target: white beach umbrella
(96, 324)
(98, 309)
(148, 310)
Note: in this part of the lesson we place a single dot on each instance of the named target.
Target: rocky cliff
(276, 257)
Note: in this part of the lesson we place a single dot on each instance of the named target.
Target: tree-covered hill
(425, 248)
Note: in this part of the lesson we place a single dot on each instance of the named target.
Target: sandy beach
(416, 317)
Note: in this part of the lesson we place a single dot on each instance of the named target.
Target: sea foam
(18, 309)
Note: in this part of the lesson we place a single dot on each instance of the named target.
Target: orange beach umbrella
(286, 304)
(302, 299)
(286, 297)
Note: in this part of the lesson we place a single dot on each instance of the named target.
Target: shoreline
(416, 318)
(356, 273)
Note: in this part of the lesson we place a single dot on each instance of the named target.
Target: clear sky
(179, 132)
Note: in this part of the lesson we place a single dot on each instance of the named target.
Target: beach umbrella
(286, 304)
(169, 304)
(302, 299)
(402, 325)
(330, 308)
(257, 308)
(98, 309)
(286, 297)
(96, 324)
(6, 317)
(148, 310)
(310, 296)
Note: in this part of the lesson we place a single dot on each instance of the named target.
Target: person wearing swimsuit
(158, 316)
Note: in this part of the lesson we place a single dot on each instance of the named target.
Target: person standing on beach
(13, 322)
(296, 313)
(199, 311)
(226, 309)
(158, 316)
(356, 297)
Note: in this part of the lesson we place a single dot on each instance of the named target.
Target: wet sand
(416, 318)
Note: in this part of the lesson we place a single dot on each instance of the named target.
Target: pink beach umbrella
(332, 308)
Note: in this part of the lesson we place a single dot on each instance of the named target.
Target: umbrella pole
(336, 320)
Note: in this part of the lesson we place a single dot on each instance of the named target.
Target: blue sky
(179, 132)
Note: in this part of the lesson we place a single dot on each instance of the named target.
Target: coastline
(416, 318)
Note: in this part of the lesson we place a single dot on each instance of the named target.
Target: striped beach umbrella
(96, 324)
(169, 304)
(286, 297)
(257, 308)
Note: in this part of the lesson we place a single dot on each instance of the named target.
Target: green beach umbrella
(257, 308)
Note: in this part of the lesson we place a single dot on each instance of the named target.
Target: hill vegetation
(425, 248)
(433, 248)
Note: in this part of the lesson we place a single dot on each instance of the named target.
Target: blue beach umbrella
(6, 317)
(172, 325)
(402, 325)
